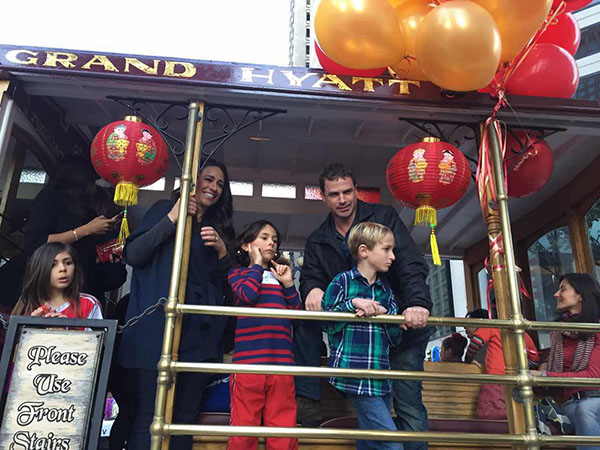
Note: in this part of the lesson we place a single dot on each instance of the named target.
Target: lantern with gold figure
(129, 154)
(427, 176)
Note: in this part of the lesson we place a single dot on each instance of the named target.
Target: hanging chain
(135, 319)
(3, 322)
(292, 35)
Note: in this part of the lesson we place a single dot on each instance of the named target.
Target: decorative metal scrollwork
(233, 123)
(158, 113)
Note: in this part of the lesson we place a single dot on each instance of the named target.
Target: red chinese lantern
(529, 163)
(428, 175)
(129, 154)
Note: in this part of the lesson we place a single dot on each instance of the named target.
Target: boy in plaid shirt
(363, 345)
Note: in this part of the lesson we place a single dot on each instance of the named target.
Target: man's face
(340, 197)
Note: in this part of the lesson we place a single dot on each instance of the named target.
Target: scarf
(581, 357)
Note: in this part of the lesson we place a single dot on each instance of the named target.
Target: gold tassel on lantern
(427, 216)
(124, 231)
(435, 253)
(126, 194)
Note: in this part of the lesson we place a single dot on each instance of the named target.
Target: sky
(221, 30)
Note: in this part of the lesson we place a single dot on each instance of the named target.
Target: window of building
(156, 186)
(279, 190)
(440, 288)
(593, 223)
(549, 257)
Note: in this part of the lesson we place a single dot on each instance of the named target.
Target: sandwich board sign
(55, 379)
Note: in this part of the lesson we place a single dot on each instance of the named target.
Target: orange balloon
(410, 15)
(517, 20)
(360, 34)
(458, 46)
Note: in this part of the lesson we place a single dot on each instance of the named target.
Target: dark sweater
(150, 251)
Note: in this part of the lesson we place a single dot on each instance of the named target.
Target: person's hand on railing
(366, 307)
(314, 299)
(415, 317)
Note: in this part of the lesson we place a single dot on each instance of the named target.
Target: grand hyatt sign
(293, 79)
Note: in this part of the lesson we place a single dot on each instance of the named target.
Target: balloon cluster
(522, 47)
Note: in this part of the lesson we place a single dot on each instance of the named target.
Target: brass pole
(164, 375)
(513, 291)
(187, 242)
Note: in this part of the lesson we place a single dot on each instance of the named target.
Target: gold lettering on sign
(13, 56)
(100, 60)
(328, 78)
(142, 66)
(368, 83)
(189, 70)
(293, 79)
(248, 75)
(65, 59)
(404, 85)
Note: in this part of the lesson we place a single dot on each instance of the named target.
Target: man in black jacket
(326, 254)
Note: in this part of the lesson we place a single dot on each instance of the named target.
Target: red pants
(271, 397)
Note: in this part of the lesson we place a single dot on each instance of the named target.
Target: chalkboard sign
(54, 383)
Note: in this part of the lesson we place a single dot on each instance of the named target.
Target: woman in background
(576, 354)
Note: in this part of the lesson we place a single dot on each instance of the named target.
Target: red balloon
(564, 32)
(572, 5)
(331, 66)
(529, 163)
(547, 71)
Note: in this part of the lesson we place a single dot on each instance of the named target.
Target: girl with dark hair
(262, 282)
(73, 210)
(575, 354)
(52, 286)
(149, 250)
(453, 348)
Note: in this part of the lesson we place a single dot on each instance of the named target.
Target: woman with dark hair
(453, 348)
(149, 250)
(576, 354)
(73, 210)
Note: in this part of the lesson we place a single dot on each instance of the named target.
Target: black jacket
(324, 258)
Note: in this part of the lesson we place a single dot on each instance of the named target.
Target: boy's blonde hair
(367, 233)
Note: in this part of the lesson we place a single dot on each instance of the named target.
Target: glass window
(34, 176)
(279, 190)
(549, 257)
(593, 223)
(440, 288)
(242, 188)
(156, 186)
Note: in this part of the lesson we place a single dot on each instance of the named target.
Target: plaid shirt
(359, 345)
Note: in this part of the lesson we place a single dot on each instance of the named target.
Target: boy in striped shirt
(363, 345)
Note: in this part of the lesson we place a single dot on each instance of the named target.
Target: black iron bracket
(158, 114)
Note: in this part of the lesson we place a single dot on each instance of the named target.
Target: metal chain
(3, 322)
(135, 319)
(292, 35)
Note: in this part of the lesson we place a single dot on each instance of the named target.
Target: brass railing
(168, 365)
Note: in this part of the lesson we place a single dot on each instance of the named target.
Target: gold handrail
(309, 371)
(386, 318)
(337, 434)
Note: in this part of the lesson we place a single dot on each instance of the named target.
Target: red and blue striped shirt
(262, 340)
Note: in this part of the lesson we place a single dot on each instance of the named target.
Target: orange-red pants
(270, 397)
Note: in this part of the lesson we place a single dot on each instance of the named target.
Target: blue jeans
(411, 414)
(374, 414)
(584, 414)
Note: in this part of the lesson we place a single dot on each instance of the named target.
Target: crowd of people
(361, 260)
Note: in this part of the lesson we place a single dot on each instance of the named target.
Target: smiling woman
(149, 250)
